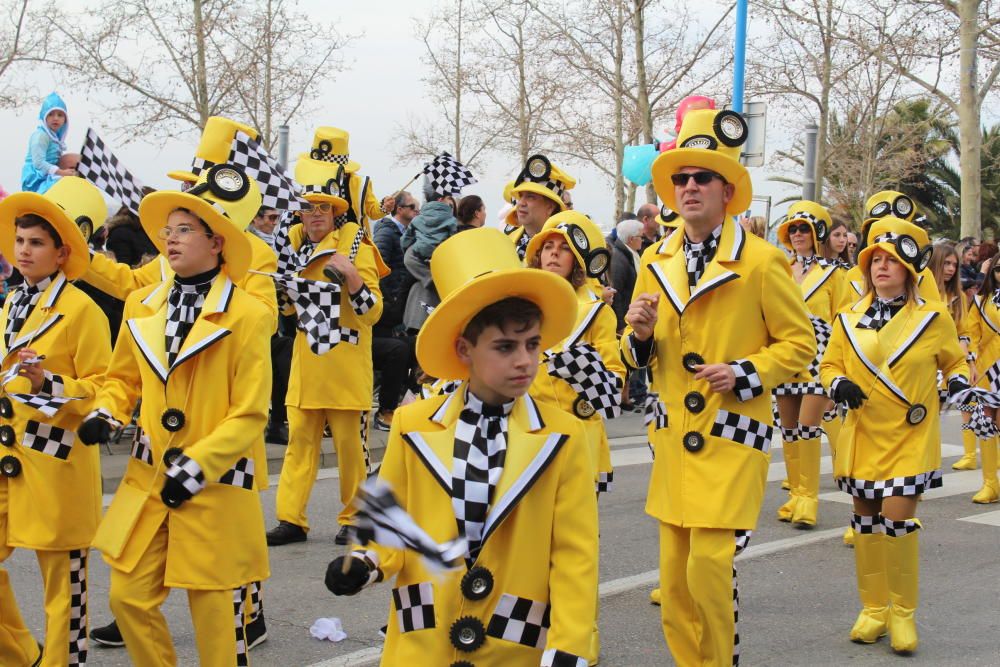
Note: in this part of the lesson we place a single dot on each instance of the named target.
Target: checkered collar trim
(531, 411)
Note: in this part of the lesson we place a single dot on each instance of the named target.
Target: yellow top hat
(900, 239)
(66, 205)
(214, 148)
(888, 202)
(810, 212)
(543, 178)
(709, 139)
(321, 182)
(331, 144)
(583, 237)
(224, 197)
(473, 270)
(668, 218)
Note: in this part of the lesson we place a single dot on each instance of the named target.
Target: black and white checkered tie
(996, 297)
(305, 252)
(806, 262)
(522, 245)
(880, 312)
(480, 451)
(184, 303)
(698, 255)
(22, 302)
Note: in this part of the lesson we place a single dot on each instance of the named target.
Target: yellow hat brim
(865, 258)
(183, 176)
(536, 242)
(339, 203)
(24, 203)
(785, 239)
(673, 224)
(672, 161)
(529, 186)
(551, 293)
(157, 206)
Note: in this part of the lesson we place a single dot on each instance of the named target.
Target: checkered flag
(822, 330)
(102, 168)
(317, 305)
(278, 189)
(447, 175)
(582, 367)
(980, 424)
(983, 397)
(380, 519)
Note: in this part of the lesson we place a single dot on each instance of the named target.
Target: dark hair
(264, 209)
(827, 248)
(520, 313)
(208, 230)
(628, 215)
(31, 220)
(468, 206)
(990, 283)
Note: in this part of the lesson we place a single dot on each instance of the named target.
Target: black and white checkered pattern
(980, 424)
(256, 601)
(520, 620)
(993, 376)
(582, 367)
(447, 175)
(748, 384)
(479, 455)
(350, 336)
(654, 411)
(184, 303)
(867, 525)
(142, 449)
(239, 624)
(317, 306)
(359, 238)
(880, 312)
(187, 471)
(364, 441)
(363, 301)
(278, 190)
(900, 528)
(810, 432)
(553, 657)
(821, 331)
(77, 607)
(414, 606)
(102, 168)
(241, 474)
(48, 439)
(798, 389)
(742, 538)
(698, 255)
(605, 481)
(790, 434)
(522, 245)
(47, 405)
(743, 430)
(22, 302)
(806, 262)
(736, 620)
(104, 414)
(909, 485)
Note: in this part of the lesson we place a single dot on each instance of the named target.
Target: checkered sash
(102, 168)
(278, 190)
(380, 519)
(317, 305)
(447, 175)
(822, 331)
(583, 369)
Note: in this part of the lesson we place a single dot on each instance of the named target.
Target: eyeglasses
(804, 228)
(272, 217)
(322, 207)
(181, 231)
(410, 206)
(700, 177)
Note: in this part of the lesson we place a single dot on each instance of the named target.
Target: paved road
(797, 594)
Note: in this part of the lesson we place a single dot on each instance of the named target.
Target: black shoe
(256, 631)
(276, 434)
(109, 635)
(285, 533)
(342, 536)
(380, 424)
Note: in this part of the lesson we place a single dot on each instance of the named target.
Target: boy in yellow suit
(512, 476)
(195, 349)
(55, 348)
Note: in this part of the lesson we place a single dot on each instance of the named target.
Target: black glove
(956, 385)
(850, 393)
(174, 493)
(351, 583)
(94, 430)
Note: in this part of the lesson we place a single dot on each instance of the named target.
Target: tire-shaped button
(694, 402)
(692, 359)
(916, 414)
(173, 419)
(694, 441)
(467, 634)
(7, 436)
(10, 466)
(171, 455)
(582, 408)
(6, 408)
(477, 583)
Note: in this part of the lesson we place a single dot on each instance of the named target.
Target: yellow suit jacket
(55, 503)
(221, 381)
(711, 459)
(540, 545)
(342, 378)
(983, 322)
(825, 292)
(364, 203)
(896, 367)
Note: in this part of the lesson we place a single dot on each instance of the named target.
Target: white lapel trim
(149, 297)
(588, 319)
(672, 296)
(739, 240)
(981, 306)
(430, 459)
(707, 287)
(917, 332)
(55, 290)
(23, 338)
(896, 391)
(318, 255)
(154, 363)
(439, 414)
(199, 346)
(535, 421)
(819, 283)
(858, 287)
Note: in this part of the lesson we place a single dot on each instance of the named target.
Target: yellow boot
(849, 536)
(790, 437)
(902, 574)
(654, 597)
(873, 589)
(968, 460)
(807, 506)
(990, 492)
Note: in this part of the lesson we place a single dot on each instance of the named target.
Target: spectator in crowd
(613, 234)
(835, 248)
(651, 230)
(263, 224)
(624, 270)
(126, 238)
(985, 253)
(434, 224)
(567, 199)
(969, 273)
(756, 225)
(852, 246)
(47, 160)
(471, 212)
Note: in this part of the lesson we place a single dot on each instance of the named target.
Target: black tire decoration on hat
(907, 248)
(316, 154)
(667, 215)
(324, 147)
(332, 187)
(701, 141)
(86, 226)
(228, 182)
(730, 128)
(821, 230)
(880, 210)
(7, 435)
(902, 206)
(598, 262)
(537, 168)
(924, 258)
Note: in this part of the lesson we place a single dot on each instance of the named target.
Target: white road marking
(987, 518)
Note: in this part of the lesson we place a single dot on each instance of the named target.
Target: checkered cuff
(867, 525)
(641, 350)
(371, 559)
(605, 481)
(553, 657)
(900, 528)
(964, 339)
(809, 432)
(833, 385)
(106, 416)
(52, 385)
(748, 384)
(970, 357)
(789, 434)
(187, 471)
(363, 300)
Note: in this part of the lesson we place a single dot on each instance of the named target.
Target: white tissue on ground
(328, 628)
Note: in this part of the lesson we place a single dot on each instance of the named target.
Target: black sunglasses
(413, 206)
(804, 228)
(700, 177)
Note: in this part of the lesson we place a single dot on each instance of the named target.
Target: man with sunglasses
(719, 321)
(263, 224)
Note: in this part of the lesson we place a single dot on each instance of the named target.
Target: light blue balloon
(638, 163)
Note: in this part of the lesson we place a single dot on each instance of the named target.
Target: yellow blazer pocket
(414, 606)
(48, 439)
(520, 620)
(743, 430)
(119, 521)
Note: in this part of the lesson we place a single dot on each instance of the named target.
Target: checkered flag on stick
(102, 168)
(278, 189)
(582, 367)
(317, 305)
(447, 175)
(380, 519)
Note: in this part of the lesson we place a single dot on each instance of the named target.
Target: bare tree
(21, 42)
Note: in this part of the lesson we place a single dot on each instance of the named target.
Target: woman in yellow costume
(984, 327)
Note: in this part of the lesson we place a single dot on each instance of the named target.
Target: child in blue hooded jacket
(46, 146)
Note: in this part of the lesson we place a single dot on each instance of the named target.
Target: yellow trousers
(298, 471)
(218, 616)
(698, 592)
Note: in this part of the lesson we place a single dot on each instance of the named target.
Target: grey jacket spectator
(624, 266)
(421, 293)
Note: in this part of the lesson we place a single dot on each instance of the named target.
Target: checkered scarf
(522, 245)
(480, 451)
(806, 262)
(184, 303)
(22, 302)
(700, 254)
(880, 312)
(996, 297)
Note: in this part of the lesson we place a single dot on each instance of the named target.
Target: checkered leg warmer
(78, 607)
